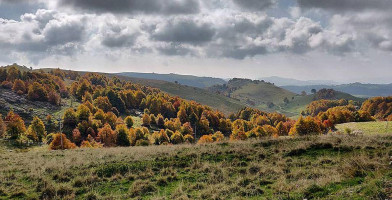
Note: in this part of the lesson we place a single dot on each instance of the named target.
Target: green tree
(122, 135)
(70, 121)
(116, 101)
(129, 121)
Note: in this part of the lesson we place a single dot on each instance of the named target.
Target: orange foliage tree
(60, 141)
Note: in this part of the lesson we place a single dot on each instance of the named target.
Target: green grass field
(316, 167)
(379, 127)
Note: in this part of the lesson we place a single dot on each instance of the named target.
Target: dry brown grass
(286, 168)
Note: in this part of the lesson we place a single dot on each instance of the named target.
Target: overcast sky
(340, 40)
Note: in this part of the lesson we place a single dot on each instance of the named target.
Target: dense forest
(108, 107)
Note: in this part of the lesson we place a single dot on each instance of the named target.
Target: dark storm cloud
(347, 5)
(255, 5)
(184, 31)
(166, 7)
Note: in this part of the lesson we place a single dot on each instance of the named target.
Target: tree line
(109, 106)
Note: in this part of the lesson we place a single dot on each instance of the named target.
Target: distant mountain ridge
(279, 81)
(356, 89)
(189, 80)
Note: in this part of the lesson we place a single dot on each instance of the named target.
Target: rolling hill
(266, 96)
(189, 80)
(279, 81)
(356, 89)
(216, 101)
(254, 93)
(296, 105)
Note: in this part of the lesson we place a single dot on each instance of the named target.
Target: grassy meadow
(313, 167)
(379, 127)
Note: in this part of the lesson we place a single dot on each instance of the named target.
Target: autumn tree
(218, 136)
(60, 141)
(107, 136)
(111, 119)
(19, 86)
(182, 115)
(189, 139)
(281, 129)
(36, 131)
(76, 136)
(37, 92)
(160, 137)
(2, 127)
(83, 113)
(103, 103)
(177, 138)
(15, 125)
(205, 139)
(146, 120)
(13, 73)
(186, 129)
(305, 126)
(83, 87)
(160, 121)
(54, 98)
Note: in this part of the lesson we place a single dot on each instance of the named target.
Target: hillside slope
(216, 101)
(202, 96)
(189, 80)
(297, 104)
(27, 109)
(268, 97)
(279, 81)
(356, 89)
(257, 94)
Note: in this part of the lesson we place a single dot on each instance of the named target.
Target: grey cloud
(120, 33)
(119, 40)
(166, 7)
(63, 32)
(242, 53)
(184, 31)
(254, 5)
(347, 5)
(175, 50)
(41, 34)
